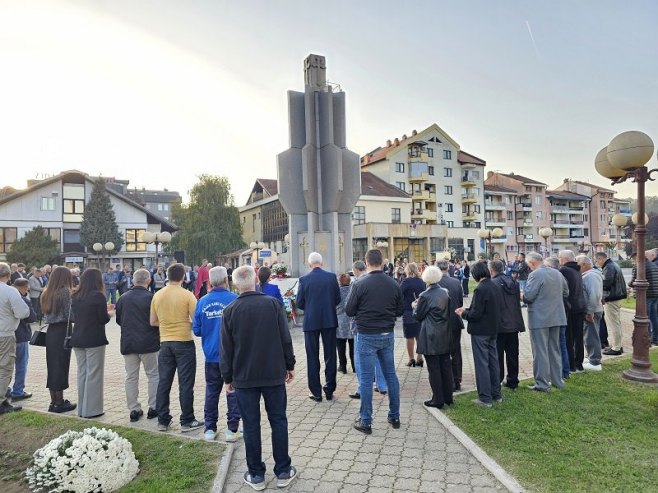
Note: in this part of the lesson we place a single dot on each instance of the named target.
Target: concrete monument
(319, 178)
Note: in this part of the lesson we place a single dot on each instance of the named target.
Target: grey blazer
(544, 293)
(35, 287)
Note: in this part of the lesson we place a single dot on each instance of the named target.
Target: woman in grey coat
(345, 330)
(432, 310)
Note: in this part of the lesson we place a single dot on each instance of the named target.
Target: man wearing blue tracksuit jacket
(207, 324)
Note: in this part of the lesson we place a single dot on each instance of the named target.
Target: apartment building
(569, 221)
(500, 212)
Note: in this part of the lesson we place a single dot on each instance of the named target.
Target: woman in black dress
(56, 307)
(411, 288)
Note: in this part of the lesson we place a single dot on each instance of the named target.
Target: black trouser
(341, 346)
(456, 356)
(465, 286)
(508, 351)
(312, 343)
(575, 346)
(603, 332)
(440, 375)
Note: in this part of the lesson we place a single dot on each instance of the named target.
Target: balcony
(469, 216)
(421, 195)
(567, 238)
(524, 206)
(526, 239)
(494, 206)
(418, 177)
(423, 214)
(469, 198)
(431, 198)
(500, 239)
(468, 181)
(418, 157)
(495, 222)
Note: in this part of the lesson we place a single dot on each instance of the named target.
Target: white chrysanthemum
(93, 460)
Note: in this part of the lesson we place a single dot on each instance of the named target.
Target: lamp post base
(638, 374)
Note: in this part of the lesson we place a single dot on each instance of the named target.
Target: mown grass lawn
(167, 463)
(599, 434)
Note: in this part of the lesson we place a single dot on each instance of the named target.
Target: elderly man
(576, 309)
(257, 360)
(140, 343)
(19, 273)
(614, 291)
(593, 294)
(456, 323)
(12, 310)
(554, 263)
(319, 295)
(544, 293)
(207, 324)
(376, 301)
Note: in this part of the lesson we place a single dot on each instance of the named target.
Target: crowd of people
(240, 318)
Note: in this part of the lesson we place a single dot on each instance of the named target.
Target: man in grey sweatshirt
(593, 291)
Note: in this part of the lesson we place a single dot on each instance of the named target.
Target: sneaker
(192, 425)
(135, 415)
(498, 401)
(5, 408)
(232, 436)
(579, 369)
(152, 413)
(363, 428)
(163, 426)
(478, 402)
(355, 395)
(256, 482)
(64, 407)
(209, 435)
(284, 480)
(20, 397)
(613, 352)
(537, 389)
(588, 366)
(394, 422)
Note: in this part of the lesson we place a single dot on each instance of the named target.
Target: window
(71, 236)
(430, 152)
(477, 225)
(359, 214)
(55, 234)
(528, 189)
(253, 223)
(359, 249)
(134, 241)
(538, 189)
(163, 207)
(447, 172)
(449, 208)
(447, 154)
(400, 185)
(538, 200)
(47, 203)
(74, 202)
(586, 218)
(7, 238)
(586, 232)
(447, 189)
(434, 139)
(477, 209)
(395, 215)
(399, 167)
(430, 170)
(510, 215)
(538, 215)
(451, 224)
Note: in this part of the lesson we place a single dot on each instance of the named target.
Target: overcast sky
(159, 92)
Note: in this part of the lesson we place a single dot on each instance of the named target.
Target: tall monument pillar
(319, 178)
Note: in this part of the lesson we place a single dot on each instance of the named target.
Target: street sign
(265, 253)
(73, 259)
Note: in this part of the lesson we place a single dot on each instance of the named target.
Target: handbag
(69, 331)
(39, 337)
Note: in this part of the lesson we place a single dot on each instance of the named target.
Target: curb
(222, 469)
(483, 458)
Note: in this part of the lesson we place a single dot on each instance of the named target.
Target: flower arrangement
(92, 460)
(289, 302)
(280, 270)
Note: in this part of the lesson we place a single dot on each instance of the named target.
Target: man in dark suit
(318, 295)
(19, 274)
(456, 323)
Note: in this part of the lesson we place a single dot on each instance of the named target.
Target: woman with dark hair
(56, 308)
(264, 274)
(345, 330)
(89, 341)
(411, 287)
(483, 318)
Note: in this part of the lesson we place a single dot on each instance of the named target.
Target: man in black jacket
(511, 323)
(456, 323)
(614, 290)
(376, 301)
(576, 309)
(140, 343)
(257, 359)
(23, 334)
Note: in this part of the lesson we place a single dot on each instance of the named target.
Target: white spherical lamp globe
(630, 150)
(165, 237)
(497, 232)
(148, 237)
(619, 220)
(603, 166)
(109, 246)
(97, 247)
(636, 217)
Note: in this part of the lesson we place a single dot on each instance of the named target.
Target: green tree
(210, 224)
(99, 224)
(35, 249)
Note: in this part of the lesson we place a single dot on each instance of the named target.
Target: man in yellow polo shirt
(172, 309)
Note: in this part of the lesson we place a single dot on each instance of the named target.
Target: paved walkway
(332, 457)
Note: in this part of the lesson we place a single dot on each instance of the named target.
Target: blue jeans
(176, 356)
(214, 384)
(275, 405)
(112, 295)
(652, 313)
(522, 285)
(564, 351)
(380, 381)
(22, 355)
(372, 348)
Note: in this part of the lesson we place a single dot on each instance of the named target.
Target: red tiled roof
(466, 158)
(523, 179)
(372, 185)
(497, 188)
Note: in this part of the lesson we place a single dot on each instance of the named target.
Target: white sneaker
(209, 435)
(233, 436)
(591, 367)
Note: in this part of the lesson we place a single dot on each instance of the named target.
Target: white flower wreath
(92, 460)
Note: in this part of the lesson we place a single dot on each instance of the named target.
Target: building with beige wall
(500, 212)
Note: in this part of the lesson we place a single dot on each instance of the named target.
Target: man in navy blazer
(318, 295)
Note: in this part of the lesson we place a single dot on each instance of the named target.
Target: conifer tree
(35, 249)
(99, 223)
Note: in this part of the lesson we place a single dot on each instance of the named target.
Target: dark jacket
(433, 312)
(511, 318)
(614, 285)
(456, 294)
(521, 269)
(318, 295)
(256, 344)
(411, 288)
(484, 314)
(375, 301)
(90, 319)
(571, 272)
(24, 331)
(133, 310)
(651, 275)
